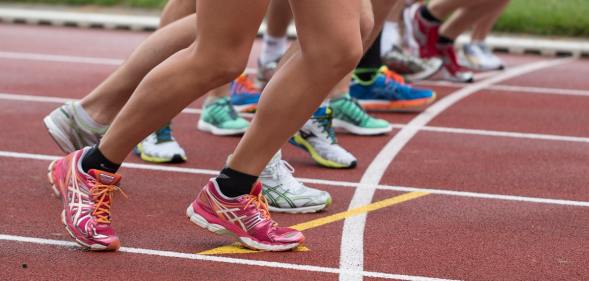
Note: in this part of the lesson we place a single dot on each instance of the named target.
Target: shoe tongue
(105, 177)
(256, 189)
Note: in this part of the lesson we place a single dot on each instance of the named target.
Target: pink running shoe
(426, 35)
(87, 198)
(245, 217)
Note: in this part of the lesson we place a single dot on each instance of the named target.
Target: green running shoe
(350, 116)
(220, 118)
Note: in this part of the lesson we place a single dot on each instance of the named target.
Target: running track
(490, 183)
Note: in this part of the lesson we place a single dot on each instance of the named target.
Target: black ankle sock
(443, 40)
(370, 62)
(233, 183)
(94, 159)
(427, 15)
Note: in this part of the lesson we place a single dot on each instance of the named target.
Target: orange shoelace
(247, 83)
(102, 208)
(392, 75)
(261, 204)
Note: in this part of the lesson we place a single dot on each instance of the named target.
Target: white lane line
(512, 88)
(209, 258)
(60, 58)
(430, 83)
(72, 59)
(57, 100)
(352, 241)
(491, 133)
(359, 186)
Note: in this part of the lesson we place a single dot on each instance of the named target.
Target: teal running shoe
(221, 119)
(349, 115)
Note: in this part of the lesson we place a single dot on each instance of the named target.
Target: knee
(339, 55)
(219, 66)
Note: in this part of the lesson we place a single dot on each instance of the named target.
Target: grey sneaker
(69, 134)
(286, 194)
(412, 68)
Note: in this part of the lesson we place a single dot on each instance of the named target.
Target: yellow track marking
(236, 248)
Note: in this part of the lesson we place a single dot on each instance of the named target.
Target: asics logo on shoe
(106, 179)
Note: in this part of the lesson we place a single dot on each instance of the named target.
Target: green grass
(546, 17)
(539, 17)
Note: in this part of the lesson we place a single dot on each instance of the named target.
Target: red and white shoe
(426, 35)
(245, 217)
(87, 198)
(451, 70)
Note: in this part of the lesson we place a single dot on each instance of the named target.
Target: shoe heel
(50, 178)
(202, 222)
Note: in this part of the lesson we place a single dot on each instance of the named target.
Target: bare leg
(330, 39)
(484, 26)
(175, 10)
(188, 74)
(279, 17)
(104, 102)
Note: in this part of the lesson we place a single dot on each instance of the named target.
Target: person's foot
(412, 68)
(161, 147)
(286, 194)
(244, 94)
(350, 116)
(386, 91)
(478, 56)
(317, 137)
(220, 118)
(425, 34)
(244, 217)
(68, 131)
(266, 70)
(87, 199)
(451, 70)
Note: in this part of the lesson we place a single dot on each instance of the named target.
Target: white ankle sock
(390, 37)
(272, 48)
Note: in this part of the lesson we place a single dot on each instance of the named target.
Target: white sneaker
(68, 132)
(318, 138)
(161, 147)
(286, 194)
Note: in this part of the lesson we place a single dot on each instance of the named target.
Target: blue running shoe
(244, 94)
(387, 91)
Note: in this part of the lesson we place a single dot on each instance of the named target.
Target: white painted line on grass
(352, 241)
(209, 258)
(359, 186)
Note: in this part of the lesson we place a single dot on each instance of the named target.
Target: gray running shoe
(412, 68)
(69, 134)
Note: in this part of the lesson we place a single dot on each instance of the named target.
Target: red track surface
(441, 236)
